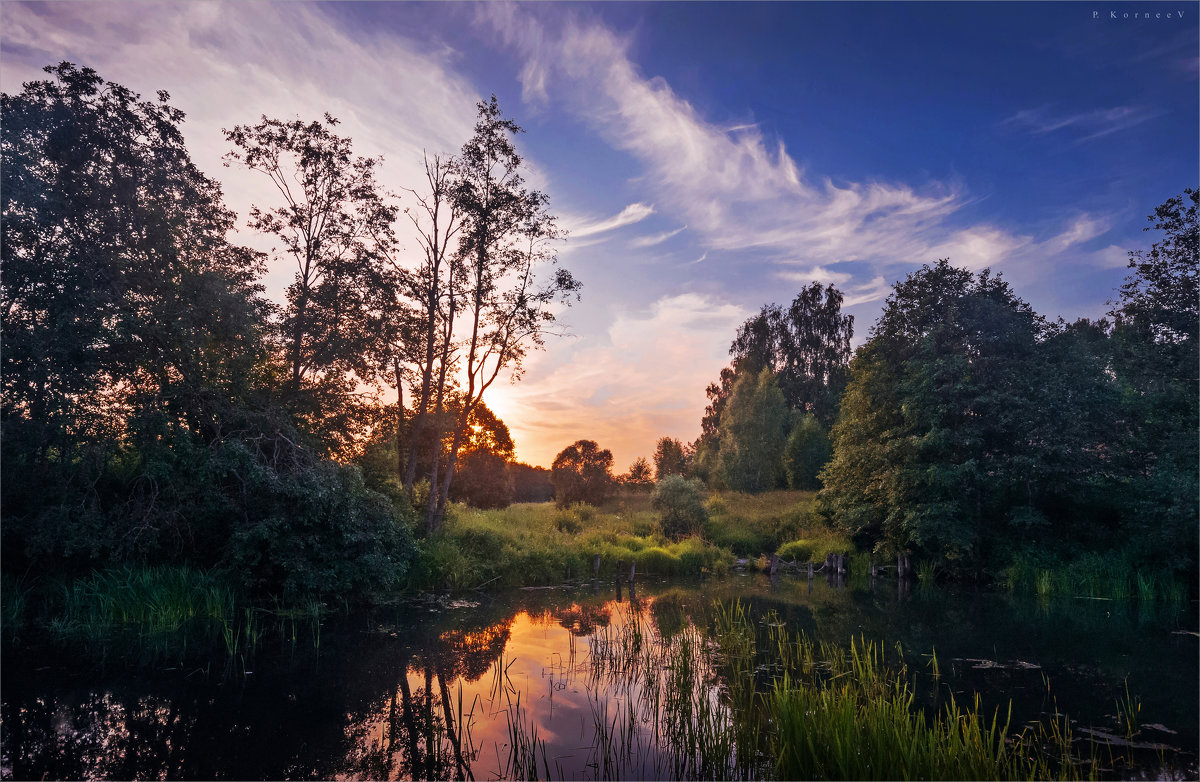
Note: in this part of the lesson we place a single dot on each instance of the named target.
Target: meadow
(539, 544)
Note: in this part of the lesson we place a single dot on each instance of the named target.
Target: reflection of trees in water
(580, 620)
(104, 735)
(386, 703)
(424, 730)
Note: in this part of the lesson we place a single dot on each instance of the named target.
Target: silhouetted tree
(640, 476)
(335, 224)
(483, 476)
(530, 483)
(506, 238)
(582, 472)
(432, 285)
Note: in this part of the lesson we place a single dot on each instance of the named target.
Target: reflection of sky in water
(546, 669)
(342, 712)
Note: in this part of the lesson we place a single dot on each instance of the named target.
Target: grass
(749, 698)
(1094, 575)
(538, 544)
(754, 524)
(157, 614)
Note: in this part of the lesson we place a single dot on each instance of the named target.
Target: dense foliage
(681, 502)
(805, 349)
(972, 428)
(582, 472)
(141, 416)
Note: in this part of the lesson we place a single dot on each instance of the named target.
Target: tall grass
(787, 707)
(1112, 576)
(536, 544)
(847, 712)
(163, 613)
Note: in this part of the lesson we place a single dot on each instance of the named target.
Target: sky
(706, 158)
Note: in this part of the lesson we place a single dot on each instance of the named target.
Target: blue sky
(707, 157)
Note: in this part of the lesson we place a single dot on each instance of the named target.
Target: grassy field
(534, 544)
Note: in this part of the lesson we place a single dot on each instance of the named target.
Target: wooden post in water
(620, 567)
(596, 567)
(810, 571)
(772, 564)
(632, 573)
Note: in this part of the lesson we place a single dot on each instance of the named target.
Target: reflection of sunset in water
(430, 689)
(537, 668)
(533, 662)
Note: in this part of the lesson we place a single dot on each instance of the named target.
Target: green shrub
(645, 527)
(735, 534)
(568, 522)
(798, 550)
(680, 501)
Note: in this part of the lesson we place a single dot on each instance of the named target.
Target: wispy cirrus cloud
(1087, 125)
(634, 213)
(738, 189)
(650, 241)
(230, 63)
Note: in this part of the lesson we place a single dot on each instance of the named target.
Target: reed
(787, 707)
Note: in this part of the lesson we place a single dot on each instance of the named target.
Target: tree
(129, 320)
(753, 430)
(639, 476)
(140, 418)
(484, 480)
(669, 458)
(807, 346)
(582, 472)
(530, 483)
(805, 452)
(336, 225)
(1156, 361)
(939, 421)
(506, 241)
(681, 502)
(428, 341)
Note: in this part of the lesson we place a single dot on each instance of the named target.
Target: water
(434, 690)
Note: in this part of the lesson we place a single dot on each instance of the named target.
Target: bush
(568, 522)
(738, 535)
(314, 528)
(682, 506)
(799, 550)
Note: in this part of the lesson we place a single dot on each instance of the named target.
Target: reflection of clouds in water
(375, 704)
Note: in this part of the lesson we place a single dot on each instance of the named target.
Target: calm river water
(454, 688)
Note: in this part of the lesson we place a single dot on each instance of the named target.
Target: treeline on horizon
(158, 408)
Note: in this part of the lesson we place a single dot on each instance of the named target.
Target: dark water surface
(435, 690)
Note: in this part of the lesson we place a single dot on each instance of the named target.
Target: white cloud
(1082, 229)
(650, 241)
(230, 63)
(1090, 124)
(875, 290)
(815, 274)
(1111, 257)
(738, 189)
(631, 214)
